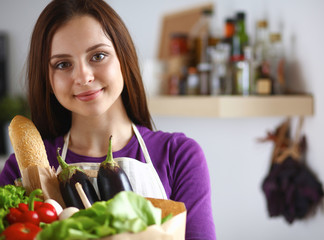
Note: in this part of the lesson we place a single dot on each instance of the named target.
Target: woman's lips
(88, 95)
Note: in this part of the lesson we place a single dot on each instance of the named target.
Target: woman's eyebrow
(60, 56)
(97, 46)
(87, 50)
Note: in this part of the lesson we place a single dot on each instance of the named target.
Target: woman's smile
(89, 95)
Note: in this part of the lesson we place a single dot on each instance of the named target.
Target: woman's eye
(98, 57)
(62, 65)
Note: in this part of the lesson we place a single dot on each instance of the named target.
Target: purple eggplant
(111, 177)
(68, 177)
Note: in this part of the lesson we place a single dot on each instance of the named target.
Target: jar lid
(240, 15)
(275, 37)
(262, 24)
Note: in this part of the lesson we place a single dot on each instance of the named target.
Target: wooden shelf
(232, 106)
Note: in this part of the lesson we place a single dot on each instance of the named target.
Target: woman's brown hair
(49, 116)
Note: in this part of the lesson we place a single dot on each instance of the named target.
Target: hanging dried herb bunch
(290, 187)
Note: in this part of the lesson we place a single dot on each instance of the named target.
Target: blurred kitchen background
(238, 162)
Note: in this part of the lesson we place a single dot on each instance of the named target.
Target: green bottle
(240, 38)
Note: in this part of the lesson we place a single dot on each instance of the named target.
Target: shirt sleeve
(191, 185)
(10, 172)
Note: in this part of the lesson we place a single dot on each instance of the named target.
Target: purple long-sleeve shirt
(179, 162)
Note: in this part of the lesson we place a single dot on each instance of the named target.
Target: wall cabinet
(232, 106)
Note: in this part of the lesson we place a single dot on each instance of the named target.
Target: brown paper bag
(34, 177)
(173, 229)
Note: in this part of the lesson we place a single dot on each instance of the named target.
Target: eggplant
(111, 177)
(68, 177)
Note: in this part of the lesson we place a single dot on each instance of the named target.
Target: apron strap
(148, 160)
(142, 145)
(65, 145)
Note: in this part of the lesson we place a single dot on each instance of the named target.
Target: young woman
(84, 85)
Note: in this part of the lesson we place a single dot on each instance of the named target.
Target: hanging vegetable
(111, 177)
(68, 177)
(291, 189)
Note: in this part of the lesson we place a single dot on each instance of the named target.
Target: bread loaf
(27, 143)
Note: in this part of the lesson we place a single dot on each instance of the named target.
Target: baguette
(27, 143)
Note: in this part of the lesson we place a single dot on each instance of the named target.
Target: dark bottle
(240, 38)
(229, 29)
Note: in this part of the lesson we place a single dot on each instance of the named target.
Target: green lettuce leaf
(126, 212)
(10, 196)
(128, 205)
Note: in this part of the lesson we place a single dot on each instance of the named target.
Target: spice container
(177, 62)
(277, 63)
(220, 81)
(263, 84)
(192, 81)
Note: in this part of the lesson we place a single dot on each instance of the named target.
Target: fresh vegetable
(126, 212)
(22, 214)
(3, 222)
(21, 231)
(34, 212)
(68, 212)
(111, 177)
(56, 205)
(10, 196)
(68, 177)
(46, 212)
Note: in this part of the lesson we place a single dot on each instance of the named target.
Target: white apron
(143, 177)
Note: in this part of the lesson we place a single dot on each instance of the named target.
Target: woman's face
(84, 70)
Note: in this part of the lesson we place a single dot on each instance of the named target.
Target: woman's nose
(83, 74)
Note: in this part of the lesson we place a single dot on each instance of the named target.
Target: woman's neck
(89, 135)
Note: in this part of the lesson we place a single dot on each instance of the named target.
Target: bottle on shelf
(192, 87)
(201, 39)
(240, 58)
(261, 45)
(277, 63)
(177, 63)
(263, 84)
(204, 69)
(220, 79)
(240, 38)
(242, 74)
(229, 29)
(220, 82)
(182, 85)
